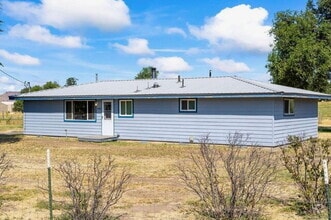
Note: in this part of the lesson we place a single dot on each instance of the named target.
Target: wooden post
(50, 197)
(327, 187)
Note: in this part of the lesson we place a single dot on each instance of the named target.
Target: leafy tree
(71, 81)
(51, 85)
(146, 73)
(301, 55)
(18, 105)
(32, 89)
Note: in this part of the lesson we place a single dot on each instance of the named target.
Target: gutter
(171, 96)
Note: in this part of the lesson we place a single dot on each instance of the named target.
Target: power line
(12, 77)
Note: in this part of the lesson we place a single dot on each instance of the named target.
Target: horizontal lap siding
(47, 118)
(303, 123)
(215, 117)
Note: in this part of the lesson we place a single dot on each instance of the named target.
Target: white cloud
(135, 46)
(175, 30)
(19, 58)
(42, 35)
(166, 64)
(108, 15)
(227, 66)
(4, 79)
(240, 27)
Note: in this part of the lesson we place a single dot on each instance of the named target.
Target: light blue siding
(304, 122)
(161, 120)
(47, 118)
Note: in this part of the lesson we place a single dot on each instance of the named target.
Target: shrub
(5, 165)
(93, 189)
(232, 194)
(303, 160)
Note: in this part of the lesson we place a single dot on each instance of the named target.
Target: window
(288, 106)
(188, 105)
(80, 110)
(126, 108)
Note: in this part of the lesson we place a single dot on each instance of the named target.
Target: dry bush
(229, 182)
(5, 165)
(93, 189)
(303, 160)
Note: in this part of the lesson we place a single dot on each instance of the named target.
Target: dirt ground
(155, 191)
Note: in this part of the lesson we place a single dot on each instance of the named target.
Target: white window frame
(187, 107)
(290, 106)
(126, 114)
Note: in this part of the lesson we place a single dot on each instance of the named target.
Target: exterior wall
(304, 122)
(161, 120)
(47, 118)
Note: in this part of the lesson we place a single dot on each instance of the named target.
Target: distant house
(7, 101)
(177, 110)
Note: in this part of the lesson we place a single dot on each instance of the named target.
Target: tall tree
(147, 73)
(301, 55)
(71, 81)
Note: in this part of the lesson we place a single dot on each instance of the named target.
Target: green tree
(18, 105)
(146, 73)
(51, 85)
(71, 81)
(301, 55)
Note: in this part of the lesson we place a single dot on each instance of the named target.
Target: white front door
(107, 118)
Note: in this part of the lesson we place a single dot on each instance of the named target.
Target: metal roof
(167, 88)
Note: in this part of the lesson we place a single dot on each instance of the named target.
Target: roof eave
(167, 96)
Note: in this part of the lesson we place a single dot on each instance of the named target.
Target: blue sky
(51, 40)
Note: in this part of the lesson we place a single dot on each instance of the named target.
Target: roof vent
(155, 85)
(183, 84)
(137, 90)
(154, 74)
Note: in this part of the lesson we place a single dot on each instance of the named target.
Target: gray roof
(8, 96)
(169, 88)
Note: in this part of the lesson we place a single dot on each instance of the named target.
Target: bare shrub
(93, 189)
(229, 182)
(5, 165)
(303, 160)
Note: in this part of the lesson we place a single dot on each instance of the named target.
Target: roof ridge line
(254, 84)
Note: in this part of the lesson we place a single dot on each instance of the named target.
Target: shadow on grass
(10, 138)
(324, 129)
(297, 206)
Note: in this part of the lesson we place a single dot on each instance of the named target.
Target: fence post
(50, 197)
(327, 187)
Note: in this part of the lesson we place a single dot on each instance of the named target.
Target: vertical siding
(47, 118)
(304, 122)
(161, 120)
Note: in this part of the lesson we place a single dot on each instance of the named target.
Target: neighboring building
(177, 110)
(7, 101)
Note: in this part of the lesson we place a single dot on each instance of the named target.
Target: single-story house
(179, 110)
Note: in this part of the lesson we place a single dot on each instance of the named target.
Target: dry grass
(11, 121)
(155, 191)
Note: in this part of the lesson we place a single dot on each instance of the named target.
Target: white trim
(188, 105)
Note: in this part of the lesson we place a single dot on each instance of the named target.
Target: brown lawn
(155, 191)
